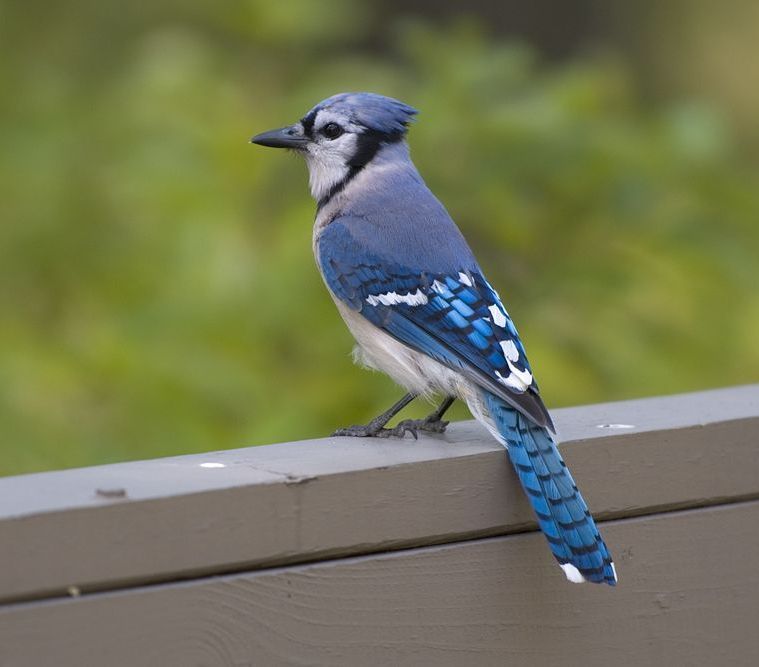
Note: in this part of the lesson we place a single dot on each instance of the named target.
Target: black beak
(285, 137)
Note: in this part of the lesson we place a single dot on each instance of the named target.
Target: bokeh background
(157, 290)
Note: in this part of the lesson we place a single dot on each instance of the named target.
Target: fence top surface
(301, 461)
(160, 520)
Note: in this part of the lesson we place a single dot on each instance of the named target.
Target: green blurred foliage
(157, 290)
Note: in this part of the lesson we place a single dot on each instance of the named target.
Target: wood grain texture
(298, 502)
(688, 595)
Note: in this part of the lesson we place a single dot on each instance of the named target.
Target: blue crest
(374, 112)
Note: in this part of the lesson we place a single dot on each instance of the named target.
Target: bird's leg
(376, 427)
(433, 423)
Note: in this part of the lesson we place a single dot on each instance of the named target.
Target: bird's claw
(401, 429)
(369, 431)
(410, 426)
(355, 431)
(428, 425)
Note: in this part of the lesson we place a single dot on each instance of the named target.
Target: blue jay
(418, 304)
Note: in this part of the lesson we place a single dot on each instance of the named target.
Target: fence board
(688, 592)
(300, 502)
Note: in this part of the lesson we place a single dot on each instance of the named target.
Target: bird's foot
(372, 431)
(428, 425)
(433, 423)
(411, 426)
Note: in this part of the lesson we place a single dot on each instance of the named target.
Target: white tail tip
(572, 573)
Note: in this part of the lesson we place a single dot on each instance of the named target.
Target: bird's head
(340, 136)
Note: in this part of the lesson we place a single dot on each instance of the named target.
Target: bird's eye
(332, 130)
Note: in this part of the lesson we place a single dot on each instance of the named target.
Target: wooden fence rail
(394, 552)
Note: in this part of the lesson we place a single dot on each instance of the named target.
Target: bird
(411, 292)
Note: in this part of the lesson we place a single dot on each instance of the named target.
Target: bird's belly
(415, 371)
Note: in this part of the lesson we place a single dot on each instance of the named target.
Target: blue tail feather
(559, 507)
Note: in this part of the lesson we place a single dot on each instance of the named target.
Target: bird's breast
(413, 370)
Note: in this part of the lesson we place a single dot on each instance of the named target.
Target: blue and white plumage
(410, 290)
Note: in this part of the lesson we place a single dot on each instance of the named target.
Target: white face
(334, 144)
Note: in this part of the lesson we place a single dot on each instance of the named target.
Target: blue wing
(453, 316)
(451, 313)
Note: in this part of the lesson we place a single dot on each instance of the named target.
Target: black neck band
(367, 146)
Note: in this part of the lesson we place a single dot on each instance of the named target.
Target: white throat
(327, 165)
(325, 172)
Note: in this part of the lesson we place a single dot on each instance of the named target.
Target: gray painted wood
(688, 595)
(171, 518)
